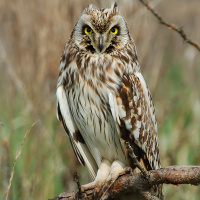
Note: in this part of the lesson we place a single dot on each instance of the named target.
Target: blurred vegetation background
(32, 37)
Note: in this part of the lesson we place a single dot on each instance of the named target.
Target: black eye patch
(86, 30)
(115, 30)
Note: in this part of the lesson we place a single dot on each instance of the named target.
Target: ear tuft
(114, 7)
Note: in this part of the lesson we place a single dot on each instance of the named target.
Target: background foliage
(32, 36)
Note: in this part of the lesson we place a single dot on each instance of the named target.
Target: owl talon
(104, 187)
(94, 195)
(109, 182)
(127, 170)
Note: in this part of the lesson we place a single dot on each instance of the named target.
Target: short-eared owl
(102, 98)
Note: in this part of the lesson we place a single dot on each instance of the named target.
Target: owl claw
(127, 170)
(94, 195)
(109, 182)
(103, 189)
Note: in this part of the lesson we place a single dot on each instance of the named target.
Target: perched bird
(103, 100)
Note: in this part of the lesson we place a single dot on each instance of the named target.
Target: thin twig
(136, 162)
(172, 26)
(76, 179)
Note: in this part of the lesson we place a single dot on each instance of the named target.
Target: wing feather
(132, 109)
(80, 148)
(148, 98)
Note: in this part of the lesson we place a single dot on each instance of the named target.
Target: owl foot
(116, 168)
(102, 175)
(107, 172)
(88, 186)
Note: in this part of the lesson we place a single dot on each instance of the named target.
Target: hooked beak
(100, 42)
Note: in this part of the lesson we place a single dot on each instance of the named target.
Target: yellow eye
(114, 30)
(88, 30)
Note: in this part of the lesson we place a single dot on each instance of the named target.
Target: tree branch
(138, 183)
(172, 26)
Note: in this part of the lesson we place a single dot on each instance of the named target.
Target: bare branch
(138, 183)
(172, 26)
(137, 163)
(76, 179)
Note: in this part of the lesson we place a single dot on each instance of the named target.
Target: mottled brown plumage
(102, 98)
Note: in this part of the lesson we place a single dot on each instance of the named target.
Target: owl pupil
(88, 29)
(113, 30)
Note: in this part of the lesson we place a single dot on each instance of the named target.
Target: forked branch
(172, 26)
(138, 183)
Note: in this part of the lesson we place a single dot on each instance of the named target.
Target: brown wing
(137, 123)
(137, 119)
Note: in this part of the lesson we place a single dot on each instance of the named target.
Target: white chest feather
(94, 120)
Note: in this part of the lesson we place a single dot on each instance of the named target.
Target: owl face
(100, 30)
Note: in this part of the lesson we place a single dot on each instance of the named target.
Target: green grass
(179, 131)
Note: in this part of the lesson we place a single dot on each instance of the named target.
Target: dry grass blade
(16, 158)
(1, 123)
(172, 26)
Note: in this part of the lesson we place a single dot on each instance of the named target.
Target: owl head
(100, 30)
